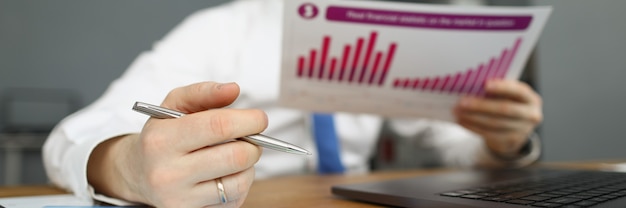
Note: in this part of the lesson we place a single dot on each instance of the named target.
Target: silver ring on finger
(221, 192)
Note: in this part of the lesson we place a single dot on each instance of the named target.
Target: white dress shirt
(236, 42)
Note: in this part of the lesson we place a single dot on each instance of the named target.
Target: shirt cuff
(108, 200)
(527, 155)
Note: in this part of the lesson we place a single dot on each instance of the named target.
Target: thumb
(201, 96)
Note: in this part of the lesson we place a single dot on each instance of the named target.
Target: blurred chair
(27, 115)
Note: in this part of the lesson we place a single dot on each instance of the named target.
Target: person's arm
(177, 60)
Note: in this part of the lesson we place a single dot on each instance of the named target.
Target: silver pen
(257, 139)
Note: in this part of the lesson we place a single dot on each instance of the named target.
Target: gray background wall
(582, 66)
(72, 48)
(80, 46)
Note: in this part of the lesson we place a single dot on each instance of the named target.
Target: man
(112, 154)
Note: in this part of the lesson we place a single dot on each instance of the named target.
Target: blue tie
(327, 144)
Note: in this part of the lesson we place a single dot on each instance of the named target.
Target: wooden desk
(314, 190)
(298, 191)
(288, 191)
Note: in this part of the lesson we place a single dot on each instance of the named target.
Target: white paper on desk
(43, 201)
(413, 59)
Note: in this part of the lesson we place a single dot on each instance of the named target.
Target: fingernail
(222, 85)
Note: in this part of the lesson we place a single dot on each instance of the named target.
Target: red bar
(392, 51)
(434, 83)
(359, 45)
(443, 87)
(416, 83)
(370, 47)
(375, 68)
(311, 63)
(344, 60)
(456, 83)
(406, 83)
(396, 83)
(333, 62)
(425, 83)
(468, 74)
(324, 55)
(300, 66)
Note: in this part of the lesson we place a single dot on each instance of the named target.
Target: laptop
(528, 187)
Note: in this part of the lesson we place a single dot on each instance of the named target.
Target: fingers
(201, 96)
(506, 98)
(207, 193)
(198, 130)
(493, 123)
(179, 159)
(501, 108)
(224, 159)
(216, 126)
(514, 90)
(236, 187)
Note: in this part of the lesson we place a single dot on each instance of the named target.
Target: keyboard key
(536, 198)
(453, 194)
(519, 201)
(564, 200)
(547, 204)
(585, 203)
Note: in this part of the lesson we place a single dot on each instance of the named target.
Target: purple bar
(500, 63)
(428, 20)
(509, 60)
(481, 76)
(493, 63)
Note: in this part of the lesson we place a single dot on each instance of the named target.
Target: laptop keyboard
(581, 189)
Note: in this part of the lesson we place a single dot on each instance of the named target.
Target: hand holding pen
(187, 161)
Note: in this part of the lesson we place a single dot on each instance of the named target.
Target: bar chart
(470, 81)
(358, 63)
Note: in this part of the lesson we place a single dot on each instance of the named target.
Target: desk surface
(293, 191)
